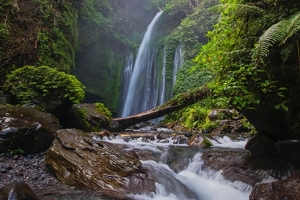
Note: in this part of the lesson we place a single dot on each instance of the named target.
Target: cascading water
(178, 62)
(143, 89)
(163, 78)
(127, 73)
(189, 182)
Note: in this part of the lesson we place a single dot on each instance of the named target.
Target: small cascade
(143, 87)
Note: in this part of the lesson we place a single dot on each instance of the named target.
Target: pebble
(29, 169)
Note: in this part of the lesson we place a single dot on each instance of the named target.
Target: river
(178, 171)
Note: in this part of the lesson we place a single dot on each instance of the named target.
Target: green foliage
(17, 151)
(44, 86)
(278, 33)
(100, 107)
(56, 50)
(185, 79)
(193, 117)
(3, 31)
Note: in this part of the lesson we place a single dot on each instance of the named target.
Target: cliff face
(37, 33)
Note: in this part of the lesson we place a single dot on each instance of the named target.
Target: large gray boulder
(25, 129)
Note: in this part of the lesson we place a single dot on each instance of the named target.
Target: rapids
(189, 180)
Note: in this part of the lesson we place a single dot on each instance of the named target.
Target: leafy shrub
(45, 87)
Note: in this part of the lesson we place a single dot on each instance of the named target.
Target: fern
(276, 34)
(293, 26)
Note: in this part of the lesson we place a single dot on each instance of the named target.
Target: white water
(141, 86)
(163, 78)
(127, 73)
(192, 183)
(178, 62)
(197, 186)
(227, 142)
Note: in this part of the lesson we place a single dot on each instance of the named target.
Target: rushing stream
(189, 181)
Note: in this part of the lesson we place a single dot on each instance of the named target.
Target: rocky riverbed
(31, 170)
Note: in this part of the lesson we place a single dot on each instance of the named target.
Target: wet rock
(26, 130)
(77, 160)
(188, 134)
(279, 190)
(17, 191)
(200, 141)
(261, 145)
(239, 165)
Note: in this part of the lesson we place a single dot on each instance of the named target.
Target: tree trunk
(178, 102)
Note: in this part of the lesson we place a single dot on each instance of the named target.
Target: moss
(207, 142)
(48, 88)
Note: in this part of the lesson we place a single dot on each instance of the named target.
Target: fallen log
(178, 102)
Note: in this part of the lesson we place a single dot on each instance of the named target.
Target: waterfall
(161, 98)
(163, 80)
(143, 89)
(178, 62)
(127, 73)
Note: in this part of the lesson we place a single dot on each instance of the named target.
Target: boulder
(25, 129)
(239, 165)
(261, 145)
(270, 121)
(85, 117)
(17, 191)
(77, 160)
(286, 189)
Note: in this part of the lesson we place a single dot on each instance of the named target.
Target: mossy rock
(86, 117)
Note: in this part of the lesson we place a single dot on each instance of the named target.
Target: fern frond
(278, 33)
(286, 52)
(293, 26)
(273, 35)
